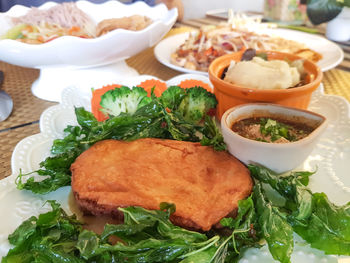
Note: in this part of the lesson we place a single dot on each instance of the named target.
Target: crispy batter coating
(205, 185)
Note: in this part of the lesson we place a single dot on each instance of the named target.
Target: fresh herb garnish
(275, 129)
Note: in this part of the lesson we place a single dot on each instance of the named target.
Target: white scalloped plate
(331, 157)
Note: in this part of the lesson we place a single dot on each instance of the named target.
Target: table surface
(24, 120)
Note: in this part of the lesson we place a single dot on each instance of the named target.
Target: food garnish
(271, 213)
(96, 100)
(271, 129)
(123, 100)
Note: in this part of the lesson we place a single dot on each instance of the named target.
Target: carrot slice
(96, 100)
(73, 29)
(190, 83)
(159, 86)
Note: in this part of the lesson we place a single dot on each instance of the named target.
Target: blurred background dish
(331, 53)
(68, 59)
(229, 95)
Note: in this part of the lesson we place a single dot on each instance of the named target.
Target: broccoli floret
(123, 100)
(196, 104)
(172, 97)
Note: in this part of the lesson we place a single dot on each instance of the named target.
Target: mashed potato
(261, 74)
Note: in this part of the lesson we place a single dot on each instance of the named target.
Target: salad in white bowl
(68, 57)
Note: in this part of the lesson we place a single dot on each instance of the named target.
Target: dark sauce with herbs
(275, 130)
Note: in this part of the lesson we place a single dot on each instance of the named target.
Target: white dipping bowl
(279, 157)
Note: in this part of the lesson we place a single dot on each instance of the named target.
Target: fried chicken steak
(204, 184)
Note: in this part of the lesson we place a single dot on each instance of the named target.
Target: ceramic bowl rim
(220, 60)
(314, 133)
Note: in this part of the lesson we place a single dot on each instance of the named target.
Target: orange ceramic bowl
(229, 95)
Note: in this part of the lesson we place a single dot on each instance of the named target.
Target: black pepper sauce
(251, 128)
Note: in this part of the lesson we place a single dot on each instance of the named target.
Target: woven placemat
(146, 64)
(337, 82)
(8, 141)
(26, 107)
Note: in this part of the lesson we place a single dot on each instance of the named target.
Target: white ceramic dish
(66, 59)
(330, 156)
(279, 157)
(331, 52)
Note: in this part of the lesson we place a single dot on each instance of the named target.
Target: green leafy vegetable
(275, 228)
(196, 104)
(211, 135)
(148, 236)
(328, 228)
(172, 97)
(322, 224)
(51, 237)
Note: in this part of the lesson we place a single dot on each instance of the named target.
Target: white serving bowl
(106, 53)
(80, 52)
(279, 157)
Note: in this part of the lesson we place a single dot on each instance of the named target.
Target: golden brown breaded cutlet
(204, 184)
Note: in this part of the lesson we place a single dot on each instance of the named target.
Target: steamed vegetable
(96, 100)
(172, 97)
(312, 216)
(123, 100)
(196, 104)
(148, 236)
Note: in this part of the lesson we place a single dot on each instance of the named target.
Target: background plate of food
(192, 52)
(66, 41)
(19, 205)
